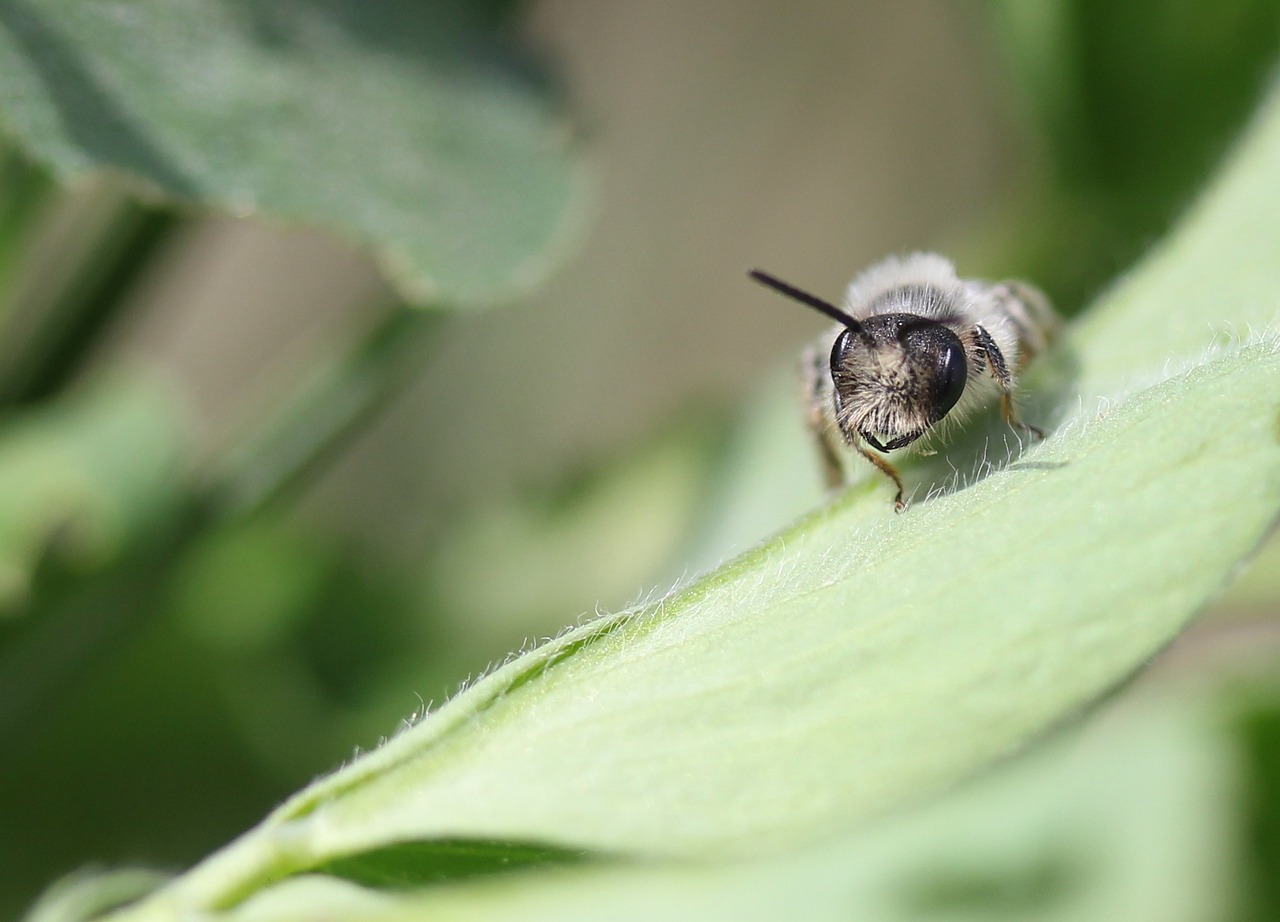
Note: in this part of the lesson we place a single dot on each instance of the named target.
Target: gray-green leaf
(402, 126)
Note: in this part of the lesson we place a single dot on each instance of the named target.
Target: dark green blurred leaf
(135, 758)
(1140, 97)
(1260, 734)
(81, 478)
(244, 588)
(24, 188)
(310, 646)
(1135, 103)
(404, 126)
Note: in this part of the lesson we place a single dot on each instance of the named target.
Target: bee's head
(896, 376)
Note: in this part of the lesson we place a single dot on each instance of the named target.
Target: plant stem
(53, 350)
(24, 191)
(321, 418)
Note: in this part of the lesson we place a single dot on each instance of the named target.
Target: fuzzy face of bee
(914, 346)
(895, 378)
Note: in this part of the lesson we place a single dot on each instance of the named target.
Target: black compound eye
(840, 348)
(950, 377)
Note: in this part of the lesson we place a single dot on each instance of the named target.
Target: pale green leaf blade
(401, 126)
(854, 662)
(1129, 820)
(860, 660)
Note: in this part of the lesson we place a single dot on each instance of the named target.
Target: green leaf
(402, 126)
(860, 661)
(1129, 820)
(84, 476)
(1133, 104)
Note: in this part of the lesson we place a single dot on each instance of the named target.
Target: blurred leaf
(1139, 97)
(400, 125)
(768, 476)
(510, 571)
(24, 191)
(134, 756)
(85, 895)
(81, 477)
(1260, 729)
(245, 586)
(309, 646)
(1135, 103)
(860, 661)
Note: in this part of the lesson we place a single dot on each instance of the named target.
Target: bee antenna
(825, 307)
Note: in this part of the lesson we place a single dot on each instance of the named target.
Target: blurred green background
(166, 677)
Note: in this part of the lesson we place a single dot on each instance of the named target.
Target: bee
(914, 348)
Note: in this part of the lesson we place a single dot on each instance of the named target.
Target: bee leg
(817, 398)
(1000, 371)
(828, 455)
(1029, 311)
(1010, 417)
(887, 469)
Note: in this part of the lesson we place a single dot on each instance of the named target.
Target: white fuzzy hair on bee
(915, 348)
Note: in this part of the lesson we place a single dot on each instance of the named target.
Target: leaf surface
(402, 126)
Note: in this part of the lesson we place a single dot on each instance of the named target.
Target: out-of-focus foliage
(246, 654)
(82, 479)
(515, 566)
(404, 126)
(231, 665)
(1133, 104)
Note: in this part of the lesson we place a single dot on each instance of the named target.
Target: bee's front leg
(1000, 371)
(886, 467)
(818, 397)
